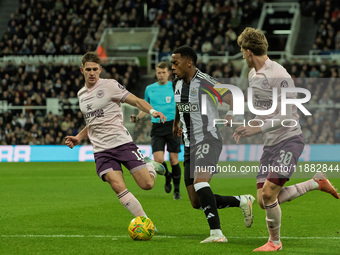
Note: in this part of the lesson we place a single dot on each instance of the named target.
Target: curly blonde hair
(254, 40)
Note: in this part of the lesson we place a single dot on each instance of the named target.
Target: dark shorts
(278, 162)
(161, 135)
(204, 154)
(110, 160)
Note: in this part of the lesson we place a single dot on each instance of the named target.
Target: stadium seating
(69, 27)
(51, 28)
(327, 16)
(28, 87)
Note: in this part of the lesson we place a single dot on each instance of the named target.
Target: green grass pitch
(64, 208)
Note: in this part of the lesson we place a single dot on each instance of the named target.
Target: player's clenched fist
(71, 141)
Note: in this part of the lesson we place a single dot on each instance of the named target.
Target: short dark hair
(90, 56)
(187, 51)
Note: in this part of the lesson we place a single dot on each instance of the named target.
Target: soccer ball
(141, 228)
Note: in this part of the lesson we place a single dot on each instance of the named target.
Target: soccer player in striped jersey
(283, 145)
(202, 140)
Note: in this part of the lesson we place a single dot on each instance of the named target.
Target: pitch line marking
(165, 236)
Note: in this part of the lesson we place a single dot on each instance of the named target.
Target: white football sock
(273, 212)
(291, 192)
(130, 202)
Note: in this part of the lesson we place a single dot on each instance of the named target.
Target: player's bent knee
(267, 196)
(147, 185)
(174, 162)
(260, 203)
(144, 179)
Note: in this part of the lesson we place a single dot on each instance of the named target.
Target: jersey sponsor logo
(168, 99)
(97, 113)
(257, 102)
(263, 103)
(187, 107)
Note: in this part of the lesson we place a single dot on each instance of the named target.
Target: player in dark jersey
(202, 140)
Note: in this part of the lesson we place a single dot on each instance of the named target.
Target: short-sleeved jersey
(101, 108)
(273, 75)
(196, 126)
(161, 98)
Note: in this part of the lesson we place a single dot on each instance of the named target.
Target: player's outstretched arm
(144, 106)
(72, 141)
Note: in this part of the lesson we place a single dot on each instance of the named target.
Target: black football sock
(167, 173)
(208, 204)
(227, 201)
(176, 176)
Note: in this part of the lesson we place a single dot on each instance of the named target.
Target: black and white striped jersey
(197, 106)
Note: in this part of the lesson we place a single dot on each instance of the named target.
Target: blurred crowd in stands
(19, 82)
(64, 26)
(74, 27)
(326, 15)
(25, 86)
(208, 26)
(36, 126)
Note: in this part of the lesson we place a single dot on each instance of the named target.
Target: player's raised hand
(71, 141)
(159, 115)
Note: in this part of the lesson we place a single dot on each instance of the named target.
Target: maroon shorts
(278, 162)
(110, 160)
